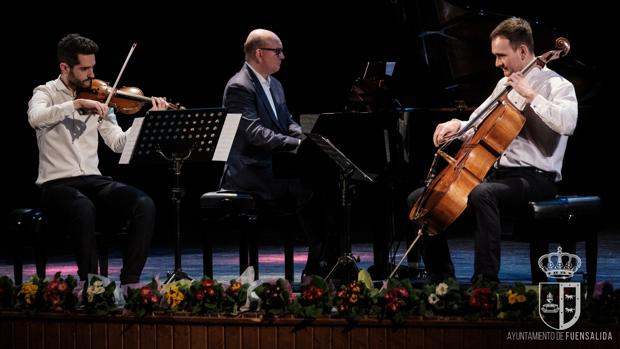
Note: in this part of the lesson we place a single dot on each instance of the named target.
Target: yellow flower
(353, 298)
(174, 297)
(29, 290)
(521, 298)
(94, 289)
(235, 285)
(512, 297)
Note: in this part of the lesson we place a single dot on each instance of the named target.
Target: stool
(565, 219)
(242, 210)
(28, 228)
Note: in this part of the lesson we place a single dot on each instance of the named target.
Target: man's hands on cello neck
(520, 84)
(517, 81)
(446, 130)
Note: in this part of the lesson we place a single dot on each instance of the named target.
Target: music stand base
(176, 276)
(345, 261)
(412, 273)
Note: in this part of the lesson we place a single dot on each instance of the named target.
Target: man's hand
(92, 106)
(159, 103)
(519, 83)
(446, 130)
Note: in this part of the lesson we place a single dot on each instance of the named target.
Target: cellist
(531, 165)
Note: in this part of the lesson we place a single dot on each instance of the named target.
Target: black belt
(525, 169)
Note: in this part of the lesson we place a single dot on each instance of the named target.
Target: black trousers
(504, 190)
(82, 204)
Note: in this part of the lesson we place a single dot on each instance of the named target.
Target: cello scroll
(562, 46)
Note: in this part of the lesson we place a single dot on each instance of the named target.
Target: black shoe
(481, 280)
(438, 277)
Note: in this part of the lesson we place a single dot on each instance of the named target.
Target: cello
(497, 124)
(495, 127)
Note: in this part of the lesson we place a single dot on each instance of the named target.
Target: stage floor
(514, 267)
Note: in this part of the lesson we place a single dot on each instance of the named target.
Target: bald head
(256, 39)
(263, 51)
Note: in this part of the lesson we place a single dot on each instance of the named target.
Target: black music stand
(379, 154)
(348, 171)
(177, 136)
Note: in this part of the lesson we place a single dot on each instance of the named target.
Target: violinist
(531, 165)
(73, 191)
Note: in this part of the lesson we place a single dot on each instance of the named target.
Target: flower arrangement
(7, 289)
(275, 297)
(235, 296)
(517, 303)
(444, 298)
(314, 299)
(604, 305)
(206, 296)
(144, 300)
(99, 296)
(355, 299)
(176, 295)
(399, 299)
(29, 295)
(58, 293)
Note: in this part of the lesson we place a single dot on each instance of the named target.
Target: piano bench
(241, 211)
(31, 228)
(564, 219)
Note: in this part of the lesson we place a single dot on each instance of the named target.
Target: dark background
(187, 51)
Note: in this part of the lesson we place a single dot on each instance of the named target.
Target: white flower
(432, 299)
(441, 289)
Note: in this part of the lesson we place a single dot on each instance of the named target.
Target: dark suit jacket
(260, 133)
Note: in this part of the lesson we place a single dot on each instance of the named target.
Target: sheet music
(226, 137)
(307, 122)
(130, 142)
(338, 157)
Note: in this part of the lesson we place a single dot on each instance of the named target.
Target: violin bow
(118, 78)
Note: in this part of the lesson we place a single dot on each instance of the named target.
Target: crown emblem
(559, 265)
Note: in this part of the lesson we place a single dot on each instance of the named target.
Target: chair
(564, 219)
(30, 228)
(243, 212)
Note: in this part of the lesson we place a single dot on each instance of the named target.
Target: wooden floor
(514, 265)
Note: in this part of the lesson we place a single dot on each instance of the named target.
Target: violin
(126, 100)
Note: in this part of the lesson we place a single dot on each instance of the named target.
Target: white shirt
(265, 83)
(550, 119)
(68, 141)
